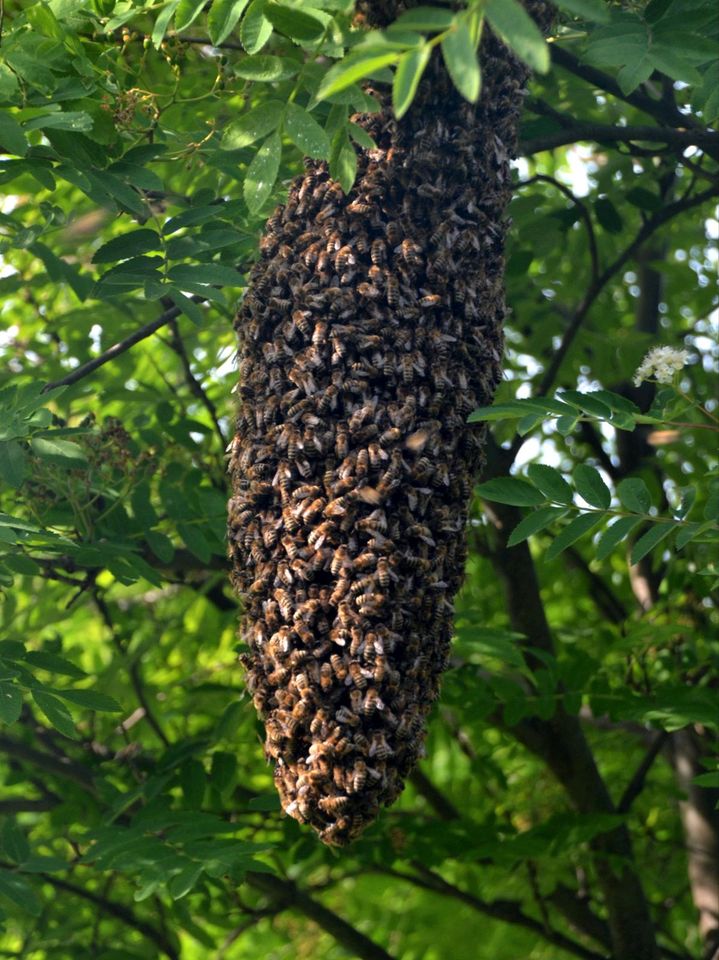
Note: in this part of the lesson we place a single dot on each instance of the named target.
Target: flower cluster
(660, 364)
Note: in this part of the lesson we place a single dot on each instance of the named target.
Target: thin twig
(178, 345)
(648, 228)
(132, 667)
(583, 211)
(636, 784)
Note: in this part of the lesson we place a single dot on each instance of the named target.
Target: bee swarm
(372, 326)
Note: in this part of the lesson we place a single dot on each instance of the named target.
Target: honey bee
(383, 572)
(379, 747)
(318, 536)
(371, 703)
(339, 559)
(325, 677)
(411, 252)
(344, 258)
(430, 300)
(346, 716)
(378, 252)
(333, 804)
(357, 641)
(359, 776)
(339, 591)
(356, 675)
(338, 666)
(393, 232)
(392, 290)
(389, 436)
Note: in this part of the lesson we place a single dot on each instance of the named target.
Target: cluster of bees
(370, 329)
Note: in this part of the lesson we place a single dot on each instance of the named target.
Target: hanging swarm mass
(372, 326)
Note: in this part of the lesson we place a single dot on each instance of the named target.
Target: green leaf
(12, 463)
(262, 173)
(294, 23)
(608, 215)
(130, 244)
(56, 712)
(160, 545)
(533, 523)
(187, 305)
(550, 482)
(361, 137)
(407, 76)
(634, 495)
(187, 12)
(614, 535)
(10, 702)
(460, 57)
(687, 533)
(223, 17)
(90, 700)
(205, 273)
(223, 770)
(304, 131)
(632, 74)
(18, 891)
(646, 543)
(424, 20)
(595, 11)
(256, 29)
(591, 487)
(12, 138)
(586, 402)
(14, 842)
(511, 490)
(185, 880)
(578, 527)
(265, 68)
(343, 160)
(354, 67)
(64, 452)
(77, 120)
(54, 664)
(253, 125)
(163, 19)
(195, 541)
(512, 23)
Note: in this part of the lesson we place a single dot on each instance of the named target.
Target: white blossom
(660, 364)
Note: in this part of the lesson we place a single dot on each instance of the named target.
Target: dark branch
(607, 133)
(636, 784)
(661, 110)
(583, 211)
(289, 894)
(118, 911)
(506, 911)
(178, 345)
(118, 348)
(133, 668)
(647, 230)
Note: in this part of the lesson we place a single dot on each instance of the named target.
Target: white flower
(660, 364)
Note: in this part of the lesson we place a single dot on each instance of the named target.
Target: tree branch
(583, 211)
(118, 911)
(118, 348)
(290, 895)
(177, 344)
(648, 228)
(661, 110)
(506, 911)
(608, 133)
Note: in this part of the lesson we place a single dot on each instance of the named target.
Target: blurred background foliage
(142, 146)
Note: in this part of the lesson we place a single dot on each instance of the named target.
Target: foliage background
(138, 164)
